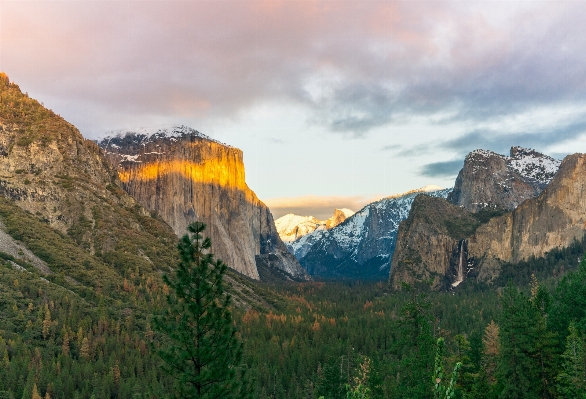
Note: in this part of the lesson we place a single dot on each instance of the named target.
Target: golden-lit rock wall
(193, 178)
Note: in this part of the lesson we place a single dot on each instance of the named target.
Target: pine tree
(417, 344)
(202, 351)
(517, 371)
(572, 378)
(527, 360)
(35, 394)
(442, 389)
(491, 344)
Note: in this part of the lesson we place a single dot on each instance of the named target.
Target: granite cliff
(182, 175)
(430, 243)
(65, 219)
(446, 243)
(553, 220)
(503, 182)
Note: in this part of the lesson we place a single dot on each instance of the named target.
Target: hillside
(182, 176)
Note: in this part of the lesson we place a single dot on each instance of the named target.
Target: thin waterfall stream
(460, 275)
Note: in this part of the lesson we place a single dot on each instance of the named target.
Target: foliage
(467, 224)
(203, 354)
(572, 378)
(441, 390)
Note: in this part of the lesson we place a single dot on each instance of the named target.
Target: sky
(334, 103)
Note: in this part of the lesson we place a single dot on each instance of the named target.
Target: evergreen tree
(570, 303)
(202, 352)
(527, 360)
(572, 378)
(442, 389)
(417, 344)
(517, 373)
(544, 339)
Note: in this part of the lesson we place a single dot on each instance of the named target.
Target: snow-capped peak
(426, 189)
(525, 161)
(532, 164)
(144, 135)
(292, 227)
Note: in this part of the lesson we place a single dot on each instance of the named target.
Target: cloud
(391, 147)
(444, 169)
(354, 66)
(274, 140)
(321, 207)
(501, 143)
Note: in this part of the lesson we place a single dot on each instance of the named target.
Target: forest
(521, 338)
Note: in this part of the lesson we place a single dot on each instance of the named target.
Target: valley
(493, 265)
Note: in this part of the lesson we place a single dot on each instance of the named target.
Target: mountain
(182, 175)
(453, 244)
(63, 214)
(50, 171)
(553, 220)
(360, 247)
(292, 227)
(431, 244)
(492, 180)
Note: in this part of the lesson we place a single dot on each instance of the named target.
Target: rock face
(361, 247)
(493, 180)
(444, 242)
(430, 244)
(184, 176)
(553, 220)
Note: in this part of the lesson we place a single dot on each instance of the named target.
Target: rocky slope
(362, 246)
(450, 249)
(50, 171)
(553, 220)
(492, 180)
(183, 176)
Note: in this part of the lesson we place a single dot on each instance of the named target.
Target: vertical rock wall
(184, 176)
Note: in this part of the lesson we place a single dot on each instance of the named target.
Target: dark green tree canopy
(201, 349)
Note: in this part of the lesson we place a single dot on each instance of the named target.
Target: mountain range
(360, 247)
(125, 201)
(503, 210)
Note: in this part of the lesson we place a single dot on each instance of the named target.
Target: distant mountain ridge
(182, 175)
(292, 227)
(362, 246)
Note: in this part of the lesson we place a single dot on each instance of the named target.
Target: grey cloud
(391, 147)
(501, 143)
(442, 169)
(274, 140)
(215, 59)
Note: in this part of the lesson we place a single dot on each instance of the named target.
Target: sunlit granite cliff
(183, 176)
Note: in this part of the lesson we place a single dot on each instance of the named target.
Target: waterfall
(460, 275)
